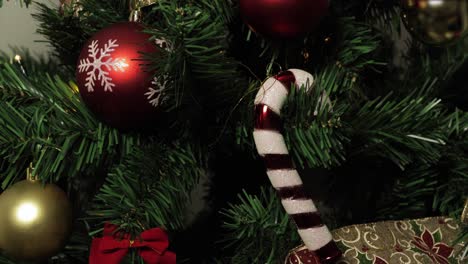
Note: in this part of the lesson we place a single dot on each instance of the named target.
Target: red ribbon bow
(112, 247)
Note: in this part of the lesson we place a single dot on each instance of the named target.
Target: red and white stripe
(283, 176)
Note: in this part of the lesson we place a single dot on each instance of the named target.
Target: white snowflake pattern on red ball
(155, 94)
(99, 63)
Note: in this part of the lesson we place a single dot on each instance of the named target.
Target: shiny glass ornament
(35, 220)
(114, 80)
(436, 22)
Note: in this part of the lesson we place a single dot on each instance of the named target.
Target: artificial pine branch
(67, 33)
(196, 53)
(313, 133)
(437, 64)
(258, 229)
(50, 125)
(375, 113)
(403, 131)
(151, 188)
(441, 186)
(5, 260)
(308, 121)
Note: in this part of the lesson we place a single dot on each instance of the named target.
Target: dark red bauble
(283, 18)
(113, 78)
(302, 255)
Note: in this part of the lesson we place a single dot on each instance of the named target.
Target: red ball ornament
(283, 18)
(302, 255)
(113, 79)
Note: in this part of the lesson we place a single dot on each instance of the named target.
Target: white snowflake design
(155, 94)
(99, 63)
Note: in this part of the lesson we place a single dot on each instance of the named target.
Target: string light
(18, 60)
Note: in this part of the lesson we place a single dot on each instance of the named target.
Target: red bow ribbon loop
(112, 247)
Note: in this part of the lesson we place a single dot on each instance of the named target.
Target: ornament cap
(135, 16)
(30, 176)
(135, 9)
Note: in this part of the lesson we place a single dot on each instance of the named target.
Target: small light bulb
(435, 3)
(27, 212)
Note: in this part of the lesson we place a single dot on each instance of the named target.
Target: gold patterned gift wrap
(419, 241)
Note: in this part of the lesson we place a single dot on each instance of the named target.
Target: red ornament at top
(113, 80)
(283, 18)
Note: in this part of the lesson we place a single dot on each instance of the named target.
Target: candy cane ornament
(281, 172)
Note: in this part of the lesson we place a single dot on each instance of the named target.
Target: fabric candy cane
(283, 176)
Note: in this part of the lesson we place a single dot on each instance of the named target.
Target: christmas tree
(138, 134)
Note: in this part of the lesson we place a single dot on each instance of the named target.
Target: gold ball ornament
(436, 22)
(35, 220)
